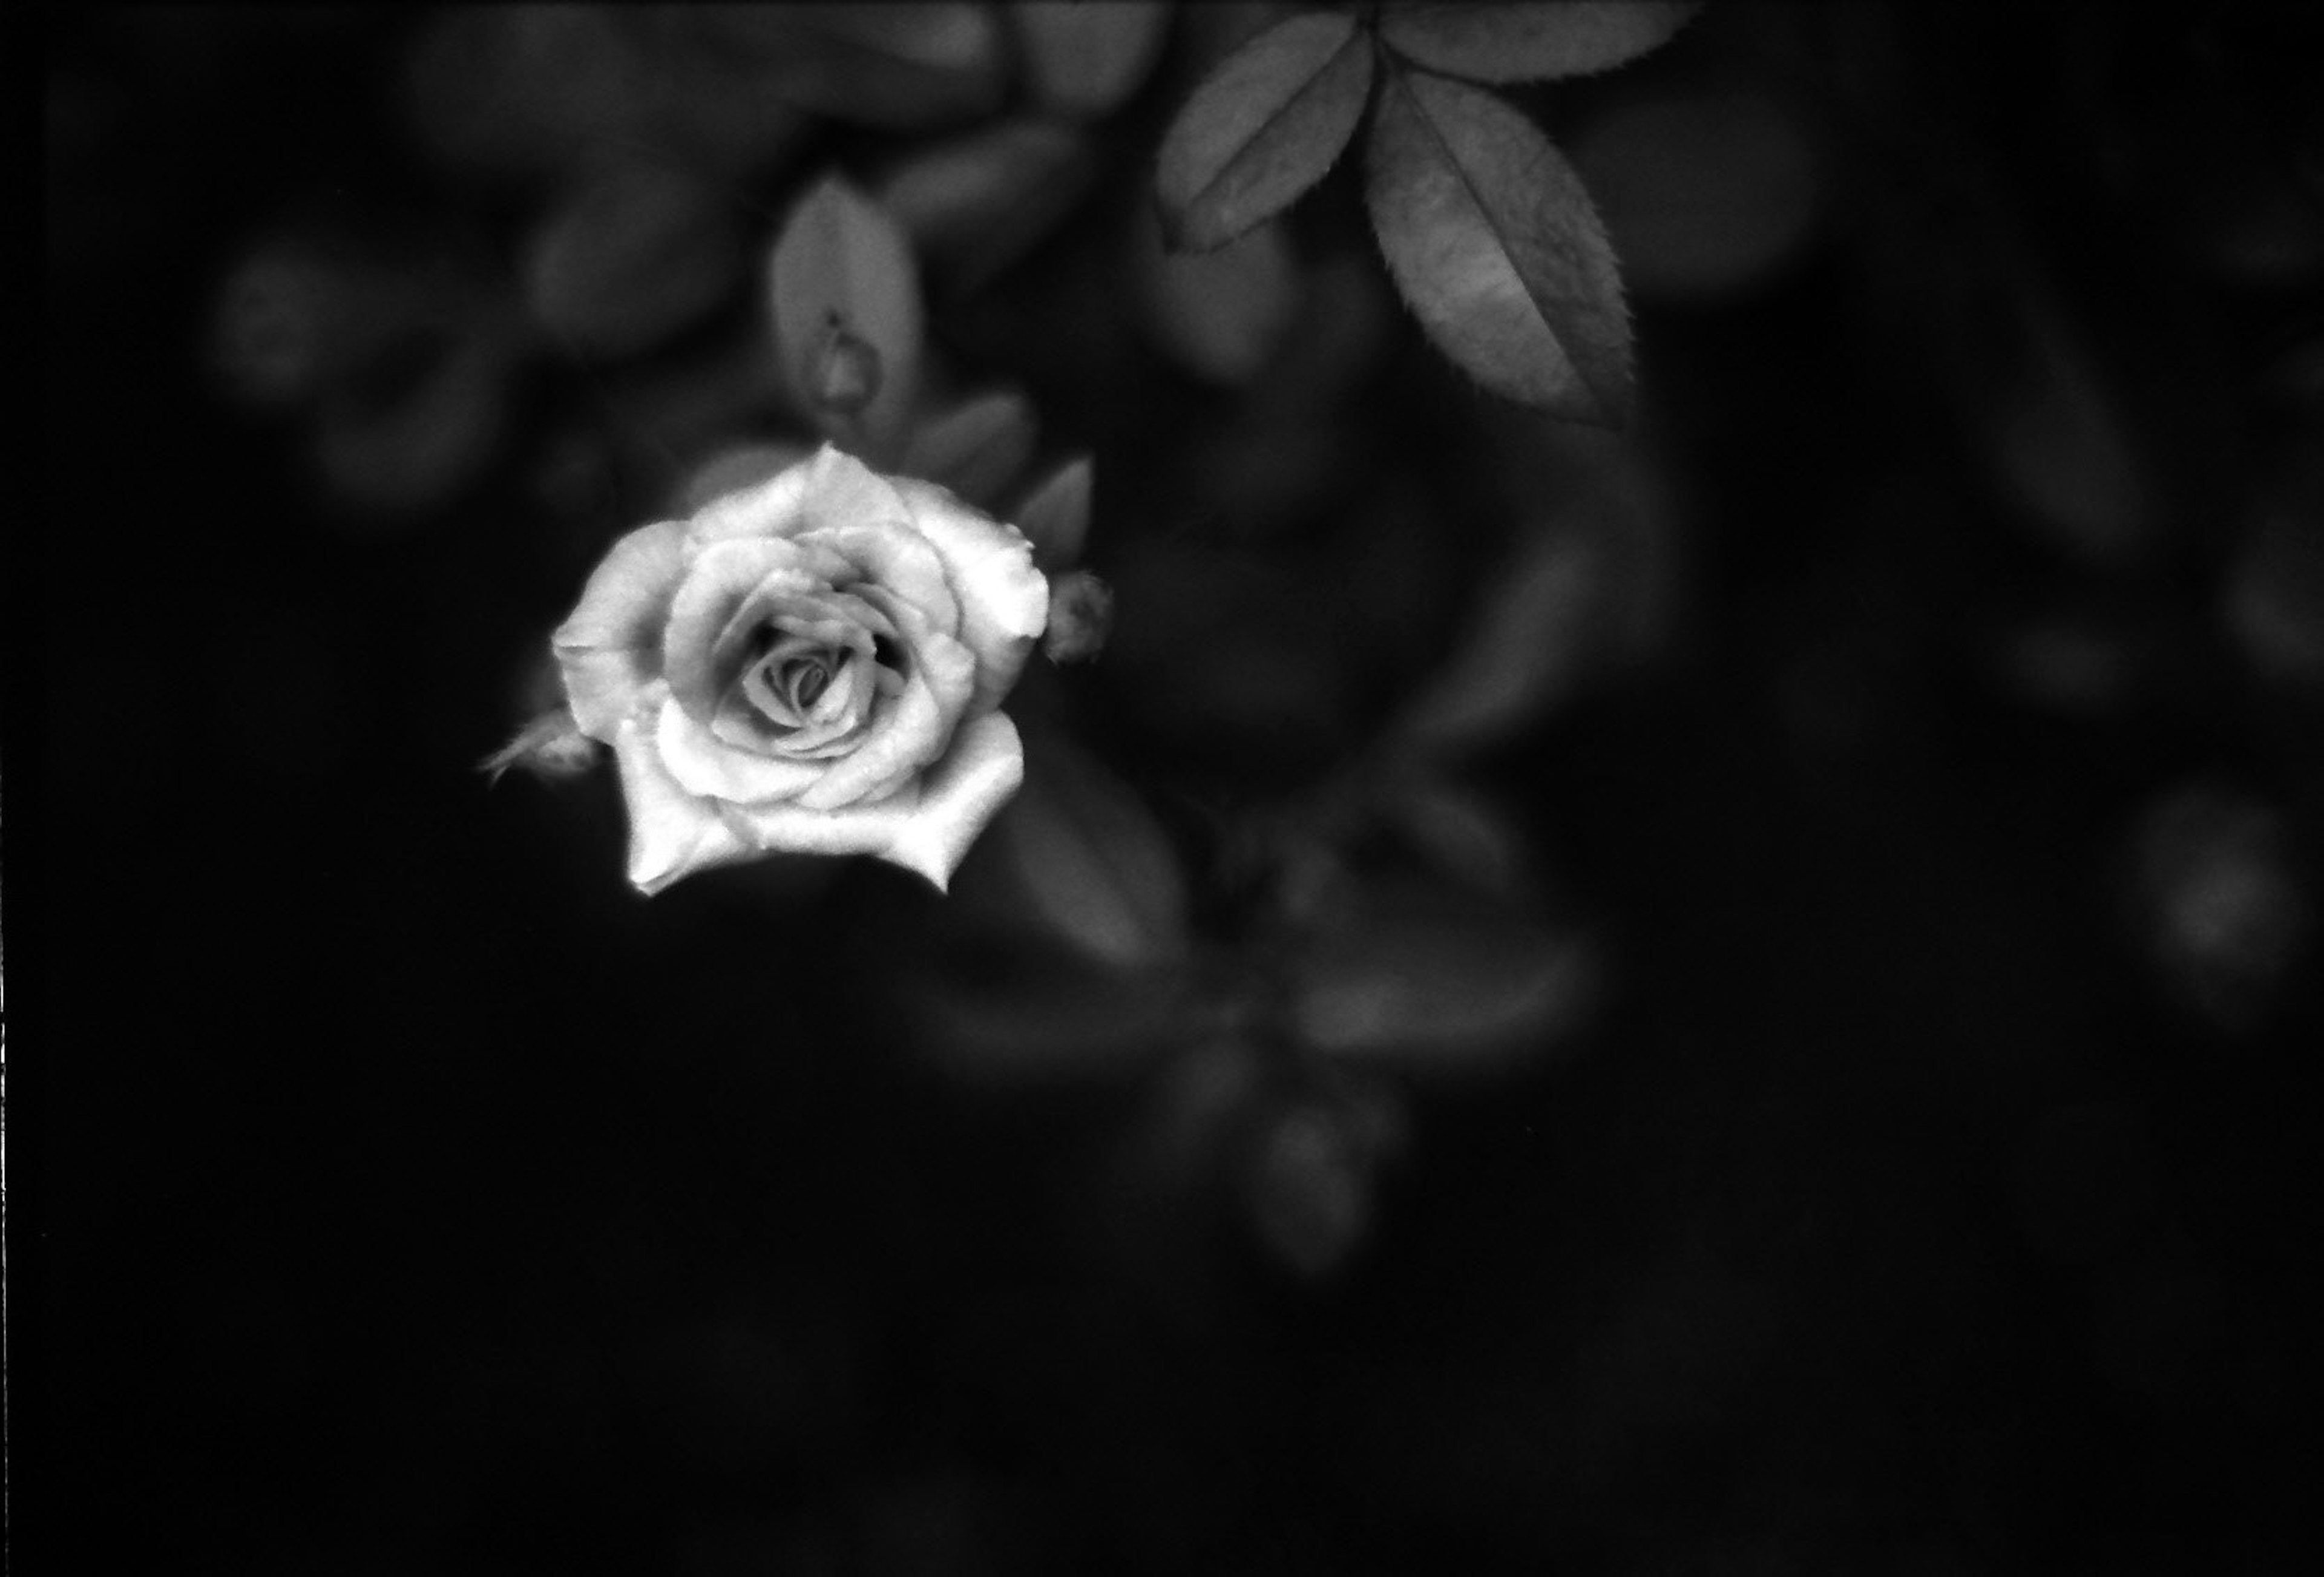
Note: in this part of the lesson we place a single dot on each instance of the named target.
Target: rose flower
(809, 665)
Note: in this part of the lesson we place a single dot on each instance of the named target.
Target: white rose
(811, 665)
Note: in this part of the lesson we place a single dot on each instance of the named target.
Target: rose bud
(1081, 616)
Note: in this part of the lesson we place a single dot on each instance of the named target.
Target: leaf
(1308, 1178)
(287, 320)
(843, 271)
(1221, 315)
(1046, 1025)
(1466, 836)
(634, 253)
(428, 438)
(521, 89)
(1491, 238)
(2218, 894)
(1433, 982)
(1524, 649)
(899, 67)
(1085, 59)
(977, 447)
(975, 205)
(1091, 863)
(1055, 516)
(1527, 40)
(1262, 128)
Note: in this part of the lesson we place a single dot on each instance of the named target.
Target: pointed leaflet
(1434, 982)
(1493, 241)
(1090, 862)
(1086, 60)
(977, 447)
(1221, 315)
(1529, 41)
(1262, 128)
(842, 279)
(975, 205)
(1055, 514)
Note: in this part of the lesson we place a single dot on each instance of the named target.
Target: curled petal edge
(926, 827)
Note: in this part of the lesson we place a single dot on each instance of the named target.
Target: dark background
(1923, 1195)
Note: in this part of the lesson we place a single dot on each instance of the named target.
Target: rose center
(805, 680)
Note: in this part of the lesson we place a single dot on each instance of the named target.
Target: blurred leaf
(1309, 1179)
(1085, 59)
(1530, 40)
(525, 89)
(422, 431)
(1262, 128)
(1467, 836)
(2223, 912)
(287, 321)
(1080, 617)
(2074, 662)
(635, 252)
(1521, 652)
(1090, 862)
(730, 470)
(2274, 598)
(899, 67)
(1198, 1105)
(1435, 982)
(1221, 315)
(1047, 1024)
(975, 205)
(1055, 514)
(977, 447)
(843, 270)
(2059, 446)
(673, 414)
(1491, 238)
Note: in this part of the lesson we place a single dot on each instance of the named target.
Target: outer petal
(609, 648)
(766, 509)
(700, 762)
(913, 729)
(842, 491)
(925, 828)
(898, 559)
(721, 580)
(672, 833)
(1004, 600)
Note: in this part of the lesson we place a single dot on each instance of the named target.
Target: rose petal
(767, 509)
(1004, 600)
(722, 577)
(914, 727)
(900, 562)
(828, 730)
(609, 648)
(925, 828)
(807, 610)
(702, 763)
(672, 833)
(842, 491)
